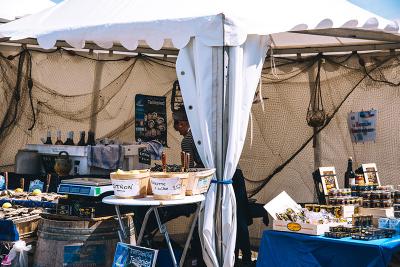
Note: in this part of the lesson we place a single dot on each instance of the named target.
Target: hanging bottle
(48, 139)
(91, 140)
(349, 176)
(59, 142)
(70, 139)
(82, 139)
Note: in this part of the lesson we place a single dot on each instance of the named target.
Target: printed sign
(128, 255)
(144, 156)
(126, 188)
(151, 118)
(85, 255)
(371, 173)
(36, 184)
(170, 186)
(362, 126)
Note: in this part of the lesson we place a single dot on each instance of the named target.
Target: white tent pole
(220, 64)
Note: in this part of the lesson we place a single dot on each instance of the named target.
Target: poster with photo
(371, 173)
(362, 126)
(151, 118)
(328, 179)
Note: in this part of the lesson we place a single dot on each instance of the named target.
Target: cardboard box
(302, 228)
(378, 212)
(282, 202)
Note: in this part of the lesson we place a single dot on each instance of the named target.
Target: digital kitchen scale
(85, 197)
(91, 187)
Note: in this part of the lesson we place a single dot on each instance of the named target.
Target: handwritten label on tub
(126, 188)
(203, 183)
(166, 186)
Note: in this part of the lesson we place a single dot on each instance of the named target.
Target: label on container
(126, 188)
(166, 186)
(203, 183)
(295, 227)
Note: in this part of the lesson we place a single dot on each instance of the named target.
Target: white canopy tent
(13, 9)
(222, 48)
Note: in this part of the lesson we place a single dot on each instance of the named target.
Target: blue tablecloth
(290, 249)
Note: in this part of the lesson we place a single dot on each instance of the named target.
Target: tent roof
(13, 9)
(156, 22)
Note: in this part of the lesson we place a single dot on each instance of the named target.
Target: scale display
(83, 190)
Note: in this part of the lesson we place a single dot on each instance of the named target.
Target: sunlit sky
(389, 9)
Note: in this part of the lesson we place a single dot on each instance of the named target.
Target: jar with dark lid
(366, 203)
(366, 195)
(375, 195)
(376, 203)
(386, 203)
(386, 195)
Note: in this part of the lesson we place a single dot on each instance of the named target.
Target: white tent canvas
(223, 45)
(13, 9)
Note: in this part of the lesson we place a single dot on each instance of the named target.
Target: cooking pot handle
(63, 153)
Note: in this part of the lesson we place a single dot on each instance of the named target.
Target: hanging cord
(272, 62)
(12, 111)
(264, 182)
(30, 87)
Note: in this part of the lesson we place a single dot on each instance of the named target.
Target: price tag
(144, 156)
(36, 184)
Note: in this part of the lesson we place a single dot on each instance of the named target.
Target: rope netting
(73, 92)
(280, 155)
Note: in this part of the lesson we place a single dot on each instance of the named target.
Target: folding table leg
(189, 238)
(122, 233)
(143, 227)
(163, 230)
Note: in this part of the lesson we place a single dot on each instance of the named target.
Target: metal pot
(63, 164)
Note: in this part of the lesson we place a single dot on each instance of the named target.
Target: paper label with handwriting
(126, 188)
(166, 186)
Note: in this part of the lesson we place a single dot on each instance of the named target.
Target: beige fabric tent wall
(270, 140)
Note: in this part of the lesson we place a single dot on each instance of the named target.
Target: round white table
(149, 201)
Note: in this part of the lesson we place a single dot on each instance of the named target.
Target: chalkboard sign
(129, 255)
(144, 156)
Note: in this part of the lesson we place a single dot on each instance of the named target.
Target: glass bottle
(91, 141)
(82, 139)
(48, 139)
(70, 139)
(59, 142)
(349, 175)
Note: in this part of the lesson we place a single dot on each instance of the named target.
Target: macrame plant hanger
(316, 115)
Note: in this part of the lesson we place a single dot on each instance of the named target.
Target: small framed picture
(328, 179)
(371, 173)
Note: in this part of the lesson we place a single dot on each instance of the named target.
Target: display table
(154, 205)
(290, 249)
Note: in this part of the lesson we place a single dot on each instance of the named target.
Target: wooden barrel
(79, 243)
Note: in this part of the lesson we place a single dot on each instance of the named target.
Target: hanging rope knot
(30, 83)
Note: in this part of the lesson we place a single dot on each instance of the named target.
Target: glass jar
(366, 203)
(376, 203)
(386, 203)
(386, 195)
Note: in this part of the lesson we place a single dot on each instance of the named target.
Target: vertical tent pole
(221, 87)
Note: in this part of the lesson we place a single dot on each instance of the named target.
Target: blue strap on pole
(222, 182)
